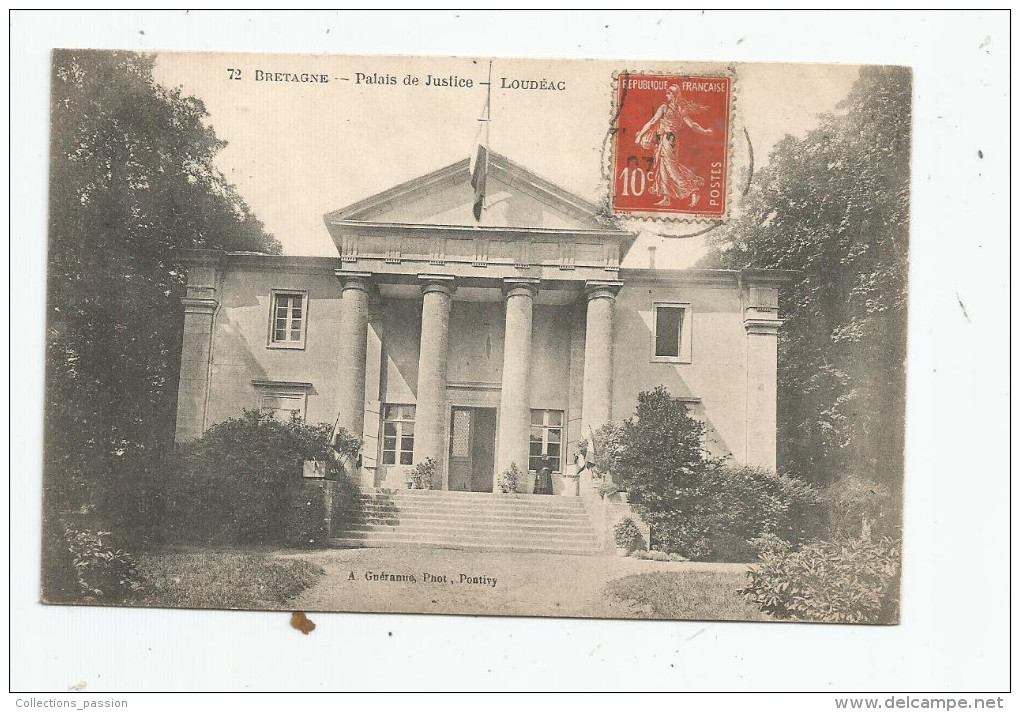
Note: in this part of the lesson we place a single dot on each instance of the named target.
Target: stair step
(516, 521)
(436, 493)
(521, 523)
(468, 496)
(470, 504)
(405, 542)
(469, 512)
(462, 530)
(496, 535)
(506, 546)
(475, 521)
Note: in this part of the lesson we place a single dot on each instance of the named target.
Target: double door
(472, 449)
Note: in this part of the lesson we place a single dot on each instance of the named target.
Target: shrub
(627, 535)
(734, 505)
(699, 506)
(751, 501)
(741, 503)
(608, 441)
(305, 522)
(682, 534)
(239, 482)
(771, 544)
(657, 457)
(853, 504)
(90, 567)
(423, 475)
(846, 580)
(509, 478)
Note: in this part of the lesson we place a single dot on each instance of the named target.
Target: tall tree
(834, 205)
(132, 185)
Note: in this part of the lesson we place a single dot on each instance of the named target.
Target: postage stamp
(671, 139)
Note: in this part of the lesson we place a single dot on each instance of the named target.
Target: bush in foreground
(241, 482)
(83, 564)
(846, 580)
(697, 505)
(736, 504)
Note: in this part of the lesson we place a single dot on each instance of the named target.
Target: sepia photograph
(509, 351)
(453, 335)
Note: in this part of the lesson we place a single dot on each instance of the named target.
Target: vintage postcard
(606, 339)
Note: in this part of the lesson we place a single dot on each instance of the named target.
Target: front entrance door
(472, 448)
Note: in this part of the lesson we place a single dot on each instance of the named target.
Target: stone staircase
(472, 521)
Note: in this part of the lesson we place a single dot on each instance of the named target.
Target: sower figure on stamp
(670, 178)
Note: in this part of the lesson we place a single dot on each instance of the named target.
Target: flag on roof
(479, 163)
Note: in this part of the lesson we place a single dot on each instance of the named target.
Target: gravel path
(451, 581)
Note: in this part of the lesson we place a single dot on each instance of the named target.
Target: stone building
(477, 344)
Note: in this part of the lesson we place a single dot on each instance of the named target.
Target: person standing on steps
(543, 478)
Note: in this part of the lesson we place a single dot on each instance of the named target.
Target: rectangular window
(546, 446)
(671, 338)
(288, 319)
(668, 321)
(398, 435)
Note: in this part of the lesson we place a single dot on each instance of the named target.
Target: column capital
(442, 283)
(193, 305)
(761, 315)
(353, 280)
(602, 288)
(520, 287)
(765, 327)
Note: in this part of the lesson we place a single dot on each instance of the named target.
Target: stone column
(515, 396)
(597, 395)
(352, 350)
(761, 322)
(196, 353)
(200, 307)
(430, 412)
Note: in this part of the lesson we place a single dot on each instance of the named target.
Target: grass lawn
(685, 595)
(222, 579)
(524, 585)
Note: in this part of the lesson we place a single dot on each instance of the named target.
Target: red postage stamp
(671, 145)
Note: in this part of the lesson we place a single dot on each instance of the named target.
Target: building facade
(477, 344)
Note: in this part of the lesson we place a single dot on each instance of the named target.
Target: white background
(954, 634)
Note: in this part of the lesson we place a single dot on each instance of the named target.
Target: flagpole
(478, 165)
(488, 124)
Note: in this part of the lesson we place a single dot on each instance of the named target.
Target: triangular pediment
(515, 198)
